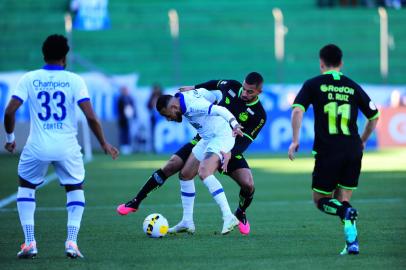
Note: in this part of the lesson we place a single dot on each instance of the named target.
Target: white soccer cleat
(230, 222)
(28, 252)
(72, 250)
(183, 227)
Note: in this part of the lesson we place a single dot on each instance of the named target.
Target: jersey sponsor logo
(250, 111)
(232, 93)
(337, 89)
(261, 123)
(193, 110)
(50, 84)
(243, 116)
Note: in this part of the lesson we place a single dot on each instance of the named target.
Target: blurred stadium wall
(217, 40)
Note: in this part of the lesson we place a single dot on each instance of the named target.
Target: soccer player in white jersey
(212, 122)
(52, 94)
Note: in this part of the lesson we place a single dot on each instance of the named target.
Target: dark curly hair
(55, 47)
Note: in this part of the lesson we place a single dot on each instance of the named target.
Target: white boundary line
(177, 205)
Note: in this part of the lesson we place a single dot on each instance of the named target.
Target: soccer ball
(155, 225)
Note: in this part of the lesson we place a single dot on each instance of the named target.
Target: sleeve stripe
(375, 116)
(248, 136)
(300, 106)
(83, 99)
(210, 108)
(18, 98)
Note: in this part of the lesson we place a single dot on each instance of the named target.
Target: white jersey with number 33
(52, 94)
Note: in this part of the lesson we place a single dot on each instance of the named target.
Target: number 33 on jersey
(52, 97)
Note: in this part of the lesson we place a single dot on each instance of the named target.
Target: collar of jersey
(248, 104)
(181, 102)
(336, 74)
(53, 67)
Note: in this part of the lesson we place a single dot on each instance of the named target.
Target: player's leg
(71, 175)
(244, 179)
(31, 173)
(207, 168)
(325, 174)
(350, 175)
(187, 190)
(157, 179)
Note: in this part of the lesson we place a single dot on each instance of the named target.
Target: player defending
(212, 122)
(242, 100)
(52, 93)
(337, 147)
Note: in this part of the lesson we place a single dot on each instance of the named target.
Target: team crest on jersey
(232, 93)
(243, 116)
(227, 100)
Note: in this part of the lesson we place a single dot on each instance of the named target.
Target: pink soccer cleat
(28, 252)
(124, 210)
(244, 228)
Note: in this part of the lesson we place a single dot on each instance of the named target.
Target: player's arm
(296, 119)
(300, 105)
(96, 128)
(227, 115)
(369, 128)
(9, 123)
(369, 109)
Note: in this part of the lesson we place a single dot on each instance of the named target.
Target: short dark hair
(162, 102)
(331, 55)
(254, 78)
(55, 47)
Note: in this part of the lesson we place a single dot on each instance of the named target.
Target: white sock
(26, 210)
(75, 205)
(216, 190)
(187, 189)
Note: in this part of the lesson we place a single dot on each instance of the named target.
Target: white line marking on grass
(13, 197)
(177, 205)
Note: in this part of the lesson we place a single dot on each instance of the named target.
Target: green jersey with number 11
(336, 100)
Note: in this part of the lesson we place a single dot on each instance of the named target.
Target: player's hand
(363, 145)
(186, 88)
(110, 150)
(226, 159)
(292, 149)
(237, 130)
(10, 147)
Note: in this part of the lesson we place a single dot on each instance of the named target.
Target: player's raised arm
(96, 128)
(9, 123)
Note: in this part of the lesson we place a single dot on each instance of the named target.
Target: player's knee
(186, 174)
(203, 172)
(248, 187)
(173, 166)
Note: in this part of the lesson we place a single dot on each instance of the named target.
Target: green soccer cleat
(351, 248)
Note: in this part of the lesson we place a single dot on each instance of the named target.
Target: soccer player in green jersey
(337, 147)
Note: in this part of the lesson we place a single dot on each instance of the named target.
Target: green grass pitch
(287, 231)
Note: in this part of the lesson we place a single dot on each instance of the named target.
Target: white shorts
(70, 171)
(214, 145)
